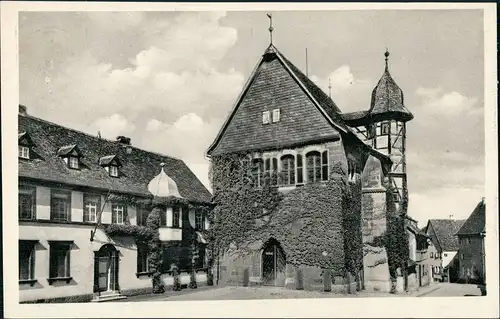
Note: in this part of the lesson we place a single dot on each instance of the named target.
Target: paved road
(246, 293)
(454, 290)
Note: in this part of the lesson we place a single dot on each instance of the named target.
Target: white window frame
(113, 170)
(276, 115)
(24, 152)
(118, 209)
(91, 207)
(266, 117)
(73, 162)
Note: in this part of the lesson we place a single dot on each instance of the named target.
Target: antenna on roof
(271, 29)
(307, 65)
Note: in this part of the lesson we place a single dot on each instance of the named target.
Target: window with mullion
(313, 167)
(91, 207)
(60, 203)
(288, 170)
(257, 172)
(117, 214)
(24, 152)
(73, 162)
(176, 216)
(27, 200)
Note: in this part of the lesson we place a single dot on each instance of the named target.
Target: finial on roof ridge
(271, 29)
(386, 54)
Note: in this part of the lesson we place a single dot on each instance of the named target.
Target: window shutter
(300, 178)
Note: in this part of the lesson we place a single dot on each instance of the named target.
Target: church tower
(383, 127)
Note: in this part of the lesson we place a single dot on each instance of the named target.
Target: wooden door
(104, 264)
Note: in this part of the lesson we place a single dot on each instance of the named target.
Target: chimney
(23, 110)
(123, 140)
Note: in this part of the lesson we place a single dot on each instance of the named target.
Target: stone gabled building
(84, 202)
(285, 125)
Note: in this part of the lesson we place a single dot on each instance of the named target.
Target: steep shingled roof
(322, 101)
(387, 102)
(475, 224)
(445, 230)
(139, 166)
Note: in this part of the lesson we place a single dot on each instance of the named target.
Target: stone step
(108, 296)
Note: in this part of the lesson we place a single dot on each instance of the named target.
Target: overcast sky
(168, 81)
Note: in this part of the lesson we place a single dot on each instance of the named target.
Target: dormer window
(111, 164)
(24, 143)
(73, 162)
(71, 156)
(113, 171)
(24, 152)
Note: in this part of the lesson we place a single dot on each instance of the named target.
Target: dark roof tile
(474, 225)
(445, 230)
(139, 166)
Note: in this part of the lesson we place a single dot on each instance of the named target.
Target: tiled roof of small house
(138, 166)
(445, 230)
(475, 224)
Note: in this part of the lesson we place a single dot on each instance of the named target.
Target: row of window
(60, 209)
(59, 260)
(437, 255)
(292, 169)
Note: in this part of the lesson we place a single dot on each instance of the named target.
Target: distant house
(66, 180)
(418, 242)
(442, 233)
(471, 246)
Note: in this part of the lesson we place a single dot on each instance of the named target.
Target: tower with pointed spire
(383, 127)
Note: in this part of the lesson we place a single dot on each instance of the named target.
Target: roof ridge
(95, 137)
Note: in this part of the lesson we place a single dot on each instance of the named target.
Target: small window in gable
(276, 115)
(266, 115)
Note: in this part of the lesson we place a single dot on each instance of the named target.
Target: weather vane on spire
(330, 87)
(271, 29)
(386, 58)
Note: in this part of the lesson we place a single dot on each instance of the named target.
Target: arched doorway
(273, 264)
(106, 269)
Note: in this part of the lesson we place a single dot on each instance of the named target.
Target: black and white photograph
(281, 160)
